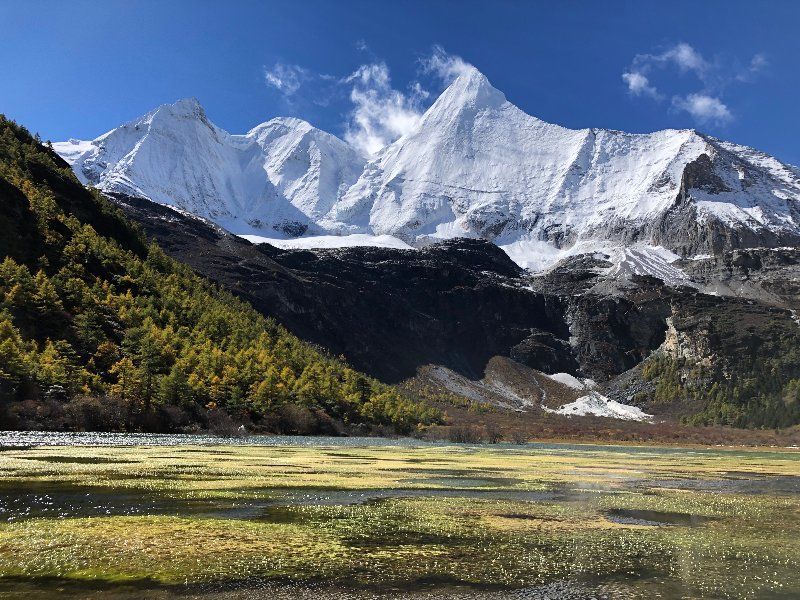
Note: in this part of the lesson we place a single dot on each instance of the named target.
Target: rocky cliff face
(389, 311)
(770, 275)
(457, 303)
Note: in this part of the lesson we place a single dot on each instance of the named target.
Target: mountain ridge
(475, 166)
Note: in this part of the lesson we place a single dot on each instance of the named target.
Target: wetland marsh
(333, 518)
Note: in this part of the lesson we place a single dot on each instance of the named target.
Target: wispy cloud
(286, 78)
(705, 105)
(685, 57)
(639, 85)
(681, 56)
(757, 64)
(381, 114)
(704, 109)
(445, 66)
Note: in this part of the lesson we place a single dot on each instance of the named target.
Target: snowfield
(332, 241)
(568, 380)
(594, 403)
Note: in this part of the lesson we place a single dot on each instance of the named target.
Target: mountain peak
(474, 166)
(472, 75)
(185, 108)
(471, 88)
(277, 176)
(280, 124)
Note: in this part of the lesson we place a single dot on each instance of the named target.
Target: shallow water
(22, 439)
(655, 518)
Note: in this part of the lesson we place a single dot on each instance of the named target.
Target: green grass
(396, 517)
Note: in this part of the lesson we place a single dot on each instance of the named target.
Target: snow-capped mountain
(280, 176)
(478, 165)
(475, 166)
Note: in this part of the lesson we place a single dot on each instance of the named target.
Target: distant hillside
(99, 330)
(721, 349)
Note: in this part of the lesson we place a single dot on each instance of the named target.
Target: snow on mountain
(594, 403)
(568, 380)
(475, 166)
(281, 175)
(479, 166)
(72, 150)
(309, 167)
(332, 241)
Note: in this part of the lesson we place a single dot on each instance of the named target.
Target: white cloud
(639, 84)
(681, 55)
(757, 64)
(381, 113)
(447, 66)
(285, 78)
(705, 109)
(685, 57)
(705, 105)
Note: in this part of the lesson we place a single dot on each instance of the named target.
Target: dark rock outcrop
(387, 311)
(457, 303)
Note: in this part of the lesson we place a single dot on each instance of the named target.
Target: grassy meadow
(484, 521)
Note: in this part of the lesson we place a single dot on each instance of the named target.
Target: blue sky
(77, 69)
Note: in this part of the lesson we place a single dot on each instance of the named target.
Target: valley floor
(340, 518)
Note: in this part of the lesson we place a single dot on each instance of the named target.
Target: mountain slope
(453, 307)
(100, 330)
(476, 166)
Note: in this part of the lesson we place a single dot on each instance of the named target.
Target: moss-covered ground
(499, 520)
